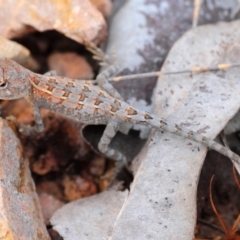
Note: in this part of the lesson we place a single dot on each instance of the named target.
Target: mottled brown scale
(79, 106)
(50, 88)
(128, 119)
(95, 112)
(52, 80)
(113, 109)
(97, 101)
(86, 89)
(117, 103)
(88, 82)
(101, 94)
(141, 122)
(82, 97)
(66, 93)
(146, 116)
(131, 111)
(35, 80)
(70, 84)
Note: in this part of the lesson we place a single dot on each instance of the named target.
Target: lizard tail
(161, 124)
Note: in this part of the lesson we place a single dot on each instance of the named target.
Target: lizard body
(87, 103)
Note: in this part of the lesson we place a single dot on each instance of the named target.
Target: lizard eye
(3, 85)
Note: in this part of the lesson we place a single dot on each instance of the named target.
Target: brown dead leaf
(97, 166)
(74, 18)
(77, 187)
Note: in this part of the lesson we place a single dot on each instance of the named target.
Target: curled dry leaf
(20, 217)
(77, 187)
(74, 18)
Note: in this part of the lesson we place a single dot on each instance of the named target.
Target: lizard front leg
(31, 130)
(39, 126)
(26, 129)
(102, 81)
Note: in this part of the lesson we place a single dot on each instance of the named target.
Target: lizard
(86, 102)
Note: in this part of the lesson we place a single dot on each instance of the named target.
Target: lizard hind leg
(103, 146)
(125, 127)
(108, 134)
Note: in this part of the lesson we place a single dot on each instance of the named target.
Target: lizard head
(14, 81)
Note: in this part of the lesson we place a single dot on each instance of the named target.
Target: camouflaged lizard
(86, 102)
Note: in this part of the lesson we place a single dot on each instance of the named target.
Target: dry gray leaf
(142, 32)
(162, 201)
(89, 218)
